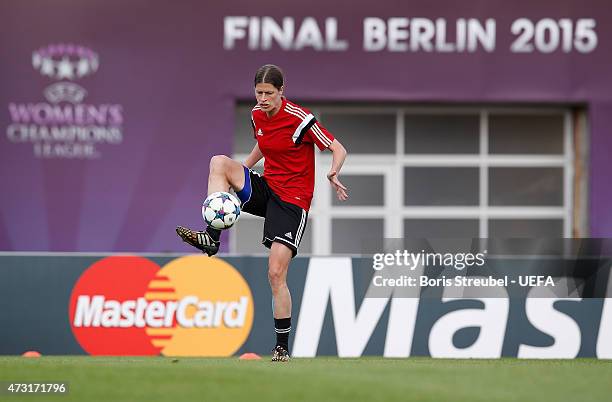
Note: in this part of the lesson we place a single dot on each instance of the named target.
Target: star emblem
(64, 69)
(82, 68)
(47, 67)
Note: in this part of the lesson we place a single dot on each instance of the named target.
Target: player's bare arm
(254, 157)
(338, 157)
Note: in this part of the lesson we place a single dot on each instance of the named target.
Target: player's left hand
(341, 190)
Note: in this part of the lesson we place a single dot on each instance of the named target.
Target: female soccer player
(286, 134)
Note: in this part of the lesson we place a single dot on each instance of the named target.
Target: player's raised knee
(219, 162)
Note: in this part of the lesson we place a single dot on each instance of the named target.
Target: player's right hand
(341, 190)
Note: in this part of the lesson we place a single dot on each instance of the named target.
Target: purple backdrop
(160, 90)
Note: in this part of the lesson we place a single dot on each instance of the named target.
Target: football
(221, 210)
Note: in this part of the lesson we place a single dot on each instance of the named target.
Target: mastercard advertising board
(173, 305)
(129, 305)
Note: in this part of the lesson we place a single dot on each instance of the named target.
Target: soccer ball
(221, 210)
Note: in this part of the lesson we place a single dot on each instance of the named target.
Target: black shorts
(284, 222)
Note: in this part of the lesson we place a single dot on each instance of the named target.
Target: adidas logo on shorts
(288, 234)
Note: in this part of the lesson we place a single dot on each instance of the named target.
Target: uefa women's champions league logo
(63, 126)
(65, 62)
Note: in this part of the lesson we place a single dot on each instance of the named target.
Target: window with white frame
(433, 172)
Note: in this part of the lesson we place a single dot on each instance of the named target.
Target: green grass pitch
(320, 379)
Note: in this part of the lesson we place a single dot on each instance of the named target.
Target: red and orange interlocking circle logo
(193, 306)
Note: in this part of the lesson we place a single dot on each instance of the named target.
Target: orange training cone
(250, 356)
(31, 353)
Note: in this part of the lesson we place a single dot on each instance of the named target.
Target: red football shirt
(286, 142)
